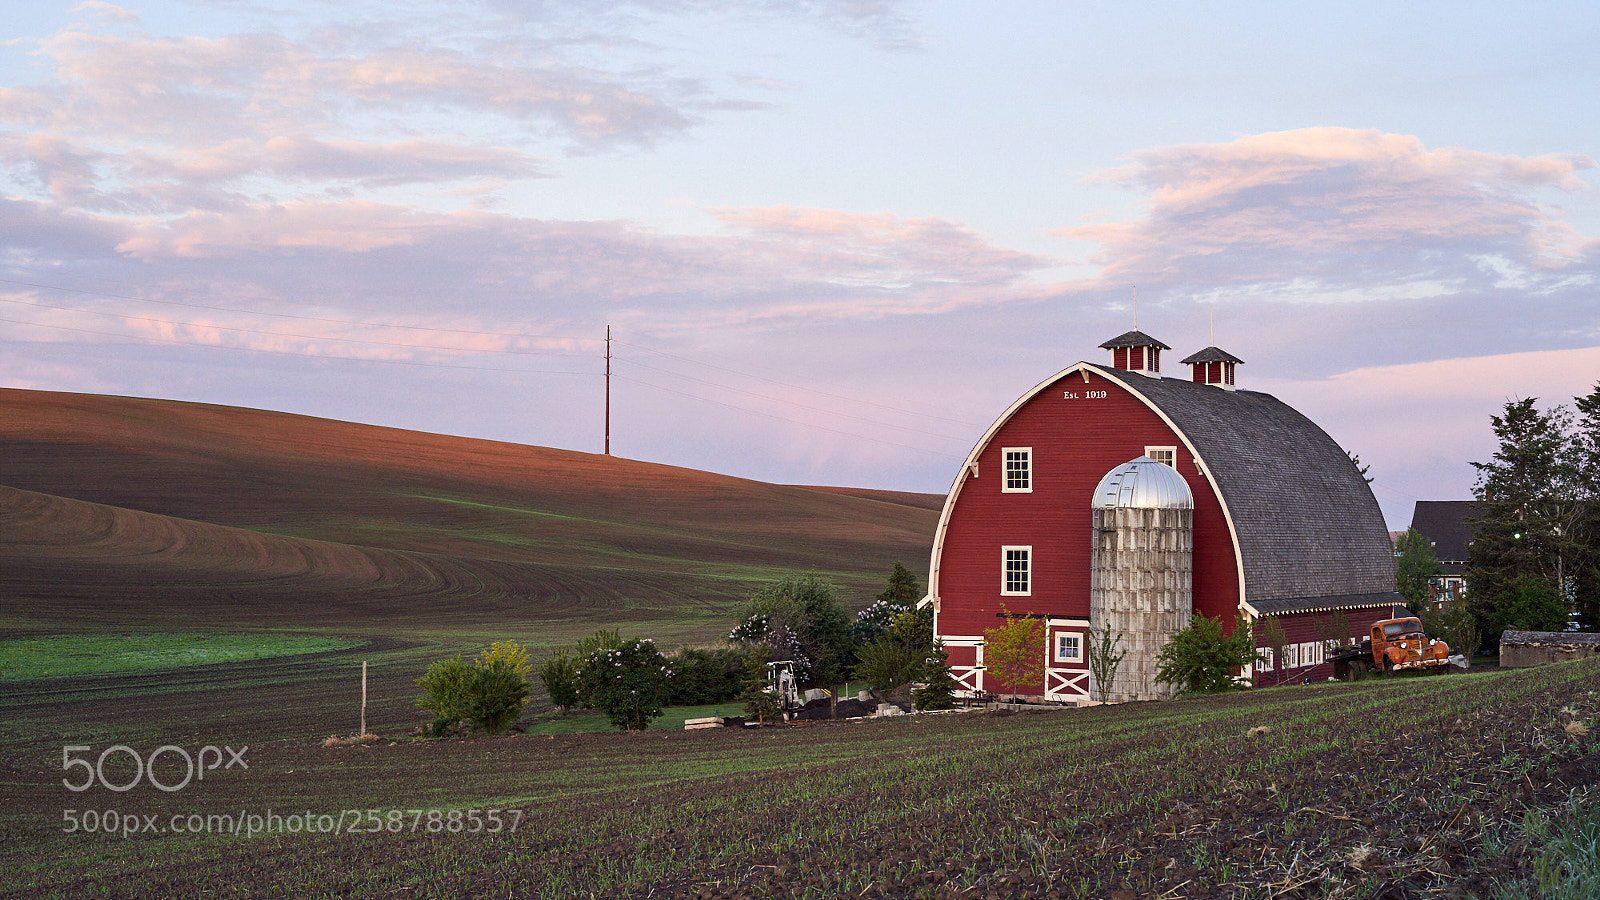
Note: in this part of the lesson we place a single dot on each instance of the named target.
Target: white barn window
(1018, 477)
(1016, 571)
(1069, 648)
(1167, 456)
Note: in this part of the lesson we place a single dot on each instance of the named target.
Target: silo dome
(1143, 483)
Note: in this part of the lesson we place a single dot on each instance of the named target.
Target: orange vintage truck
(1395, 645)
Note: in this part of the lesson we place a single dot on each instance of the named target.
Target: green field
(99, 654)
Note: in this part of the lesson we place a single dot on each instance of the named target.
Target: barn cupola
(1136, 352)
(1213, 366)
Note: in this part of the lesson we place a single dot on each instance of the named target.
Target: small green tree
(940, 690)
(496, 696)
(1415, 569)
(885, 664)
(1014, 652)
(1104, 660)
(1201, 660)
(559, 674)
(446, 687)
(626, 683)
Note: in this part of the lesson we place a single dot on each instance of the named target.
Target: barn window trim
(1016, 470)
(1066, 639)
(1016, 570)
(1165, 455)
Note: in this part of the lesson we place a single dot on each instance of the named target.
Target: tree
(1533, 507)
(940, 690)
(1415, 569)
(1355, 458)
(511, 653)
(496, 695)
(1530, 604)
(445, 689)
(1451, 620)
(1014, 652)
(898, 656)
(801, 616)
(1201, 660)
(1104, 660)
(559, 674)
(1583, 458)
(901, 594)
(626, 683)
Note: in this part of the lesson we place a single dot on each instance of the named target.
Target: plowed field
(1393, 789)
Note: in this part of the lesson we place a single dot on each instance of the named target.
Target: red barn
(1066, 511)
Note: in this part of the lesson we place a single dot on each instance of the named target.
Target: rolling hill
(147, 513)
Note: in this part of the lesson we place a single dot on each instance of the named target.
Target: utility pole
(608, 390)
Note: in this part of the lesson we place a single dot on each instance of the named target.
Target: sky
(832, 240)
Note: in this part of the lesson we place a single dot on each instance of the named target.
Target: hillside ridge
(290, 515)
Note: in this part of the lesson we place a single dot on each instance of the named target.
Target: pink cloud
(1338, 206)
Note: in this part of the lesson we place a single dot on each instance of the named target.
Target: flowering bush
(628, 683)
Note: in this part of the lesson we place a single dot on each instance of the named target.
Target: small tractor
(1395, 645)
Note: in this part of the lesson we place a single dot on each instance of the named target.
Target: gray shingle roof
(1212, 354)
(1133, 339)
(1447, 524)
(1309, 529)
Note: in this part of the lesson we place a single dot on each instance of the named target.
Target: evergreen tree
(1529, 501)
(1584, 461)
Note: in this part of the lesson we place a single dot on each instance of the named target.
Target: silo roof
(1143, 483)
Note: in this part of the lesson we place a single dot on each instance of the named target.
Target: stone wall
(1520, 649)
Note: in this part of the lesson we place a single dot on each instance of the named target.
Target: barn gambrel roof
(1305, 519)
(1309, 531)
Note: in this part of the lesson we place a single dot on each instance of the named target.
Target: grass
(58, 656)
(587, 721)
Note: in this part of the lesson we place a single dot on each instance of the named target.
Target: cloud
(1318, 213)
(1418, 424)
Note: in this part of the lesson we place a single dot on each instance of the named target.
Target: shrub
(1200, 660)
(496, 695)
(1530, 604)
(512, 653)
(626, 683)
(701, 677)
(445, 687)
(489, 696)
(1104, 660)
(559, 674)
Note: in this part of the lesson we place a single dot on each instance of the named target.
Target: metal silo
(1142, 568)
